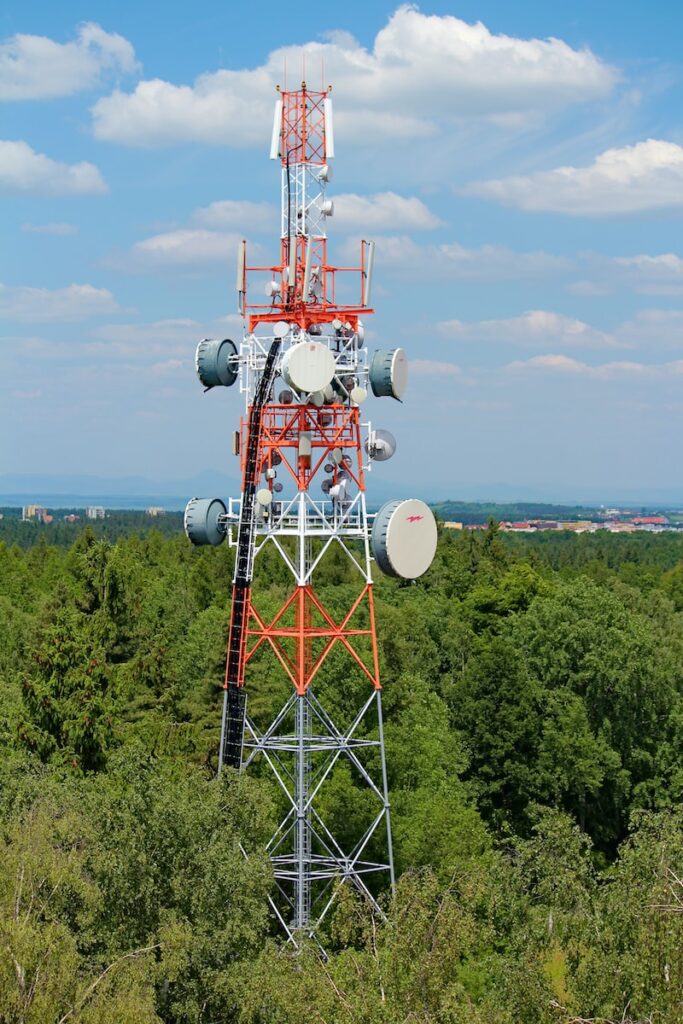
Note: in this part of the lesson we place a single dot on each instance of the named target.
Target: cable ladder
(235, 702)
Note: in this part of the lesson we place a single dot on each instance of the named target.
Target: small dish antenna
(381, 445)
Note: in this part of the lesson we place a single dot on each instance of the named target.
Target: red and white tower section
(306, 447)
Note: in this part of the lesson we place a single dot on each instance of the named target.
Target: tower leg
(302, 885)
(224, 720)
(385, 789)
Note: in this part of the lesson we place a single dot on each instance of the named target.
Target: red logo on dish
(415, 519)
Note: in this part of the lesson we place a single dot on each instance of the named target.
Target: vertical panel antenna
(306, 286)
(329, 129)
(241, 262)
(277, 127)
(367, 283)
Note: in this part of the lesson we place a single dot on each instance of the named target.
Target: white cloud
(644, 274)
(384, 211)
(496, 262)
(25, 172)
(401, 255)
(141, 335)
(161, 346)
(537, 327)
(203, 241)
(433, 368)
(237, 215)
(634, 179)
(175, 338)
(76, 302)
(35, 67)
(58, 228)
(565, 365)
(183, 248)
(422, 70)
(653, 275)
(654, 328)
(167, 366)
(559, 363)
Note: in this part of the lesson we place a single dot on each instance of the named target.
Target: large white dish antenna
(216, 362)
(308, 366)
(403, 538)
(203, 521)
(389, 373)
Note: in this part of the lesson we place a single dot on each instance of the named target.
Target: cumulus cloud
(176, 338)
(565, 365)
(57, 228)
(537, 327)
(166, 367)
(434, 368)
(421, 71)
(654, 328)
(76, 302)
(642, 273)
(25, 172)
(648, 330)
(634, 179)
(134, 343)
(139, 336)
(237, 215)
(384, 211)
(184, 248)
(35, 67)
(653, 275)
(401, 254)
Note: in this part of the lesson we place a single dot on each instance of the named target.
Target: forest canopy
(533, 697)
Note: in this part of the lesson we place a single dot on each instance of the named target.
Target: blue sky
(520, 167)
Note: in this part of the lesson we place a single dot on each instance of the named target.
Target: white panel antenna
(367, 283)
(277, 126)
(306, 286)
(241, 263)
(291, 272)
(329, 129)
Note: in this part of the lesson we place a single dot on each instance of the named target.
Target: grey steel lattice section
(307, 858)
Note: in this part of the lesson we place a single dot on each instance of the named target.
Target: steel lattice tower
(308, 437)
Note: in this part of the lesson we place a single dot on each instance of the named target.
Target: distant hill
(77, 490)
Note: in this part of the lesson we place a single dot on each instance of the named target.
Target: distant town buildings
(94, 512)
(155, 510)
(35, 513)
(71, 518)
(618, 522)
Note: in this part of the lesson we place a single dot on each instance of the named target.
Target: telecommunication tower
(305, 452)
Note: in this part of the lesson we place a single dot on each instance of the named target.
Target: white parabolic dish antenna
(403, 538)
(308, 366)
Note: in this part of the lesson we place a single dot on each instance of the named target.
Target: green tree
(68, 700)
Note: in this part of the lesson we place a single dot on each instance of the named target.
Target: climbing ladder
(235, 700)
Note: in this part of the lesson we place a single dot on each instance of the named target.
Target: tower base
(302, 747)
